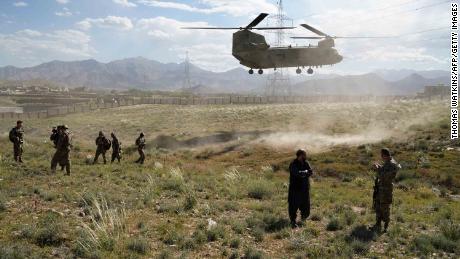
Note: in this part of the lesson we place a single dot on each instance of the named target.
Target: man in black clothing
(116, 148)
(16, 136)
(299, 187)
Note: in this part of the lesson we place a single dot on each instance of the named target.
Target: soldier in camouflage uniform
(140, 143)
(116, 148)
(101, 142)
(16, 136)
(63, 146)
(383, 197)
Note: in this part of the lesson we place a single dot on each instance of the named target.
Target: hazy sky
(37, 31)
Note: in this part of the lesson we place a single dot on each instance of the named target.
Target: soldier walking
(103, 144)
(140, 143)
(116, 148)
(299, 187)
(63, 146)
(16, 136)
(383, 190)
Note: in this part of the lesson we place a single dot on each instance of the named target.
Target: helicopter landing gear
(298, 71)
(310, 71)
(251, 71)
(260, 72)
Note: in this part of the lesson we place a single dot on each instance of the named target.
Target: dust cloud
(383, 125)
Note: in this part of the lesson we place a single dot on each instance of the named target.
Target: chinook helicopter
(253, 51)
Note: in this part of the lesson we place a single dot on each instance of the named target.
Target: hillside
(130, 73)
(147, 74)
(215, 184)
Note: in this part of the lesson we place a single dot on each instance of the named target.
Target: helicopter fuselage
(252, 50)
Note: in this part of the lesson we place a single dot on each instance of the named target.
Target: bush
(190, 201)
(274, 223)
(451, 230)
(260, 189)
(361, 233)
(215, 233)
(359, 247)
(334, 225)
(251, 253)
(423, 244)
(258, 234)
(235, 243)
(2, 206)
(138, 245)
(315, 217)
(49, 231)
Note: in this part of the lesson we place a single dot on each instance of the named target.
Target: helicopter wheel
(260, 71)
(298, 71)
(251, 71)
(310, 71)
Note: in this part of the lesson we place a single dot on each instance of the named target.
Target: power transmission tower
(278, 83)
(187, 82)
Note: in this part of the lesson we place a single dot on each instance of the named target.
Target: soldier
(383, 191)
(116, 148)
(140, 143)
(103, 144)
(16, 136)
(299, 187)
(63, 146)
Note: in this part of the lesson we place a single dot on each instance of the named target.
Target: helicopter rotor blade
(309, 38)
(257, 20)
(345, 37)
(212, 28)
(273, 28)
(314, 30)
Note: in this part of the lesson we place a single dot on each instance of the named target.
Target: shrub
(350, 217)
(260, 189)
(214, 233)
(251, 253)
(190, 201)
(451, 230)
(274, 223)
(235, 243)
(49, 231)
(315, 217)
(258, 234)
(361, 233)
(334, 225)
(138, 245)
(359, 247)
(423, 244)
(2, 206)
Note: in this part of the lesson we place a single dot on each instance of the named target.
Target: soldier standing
(116, 148)
(299, 187)
(383, 196)
(102, 144)
(140, 143)
(63, 146)
(16, 136)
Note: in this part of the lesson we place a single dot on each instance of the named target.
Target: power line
(374, 19)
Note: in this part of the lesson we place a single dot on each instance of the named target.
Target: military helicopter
(253, 51)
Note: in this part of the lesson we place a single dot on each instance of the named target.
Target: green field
(227, 164)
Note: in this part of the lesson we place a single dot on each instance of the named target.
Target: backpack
(12, 135)
(107, 144)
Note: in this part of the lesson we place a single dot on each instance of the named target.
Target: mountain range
(147, 74)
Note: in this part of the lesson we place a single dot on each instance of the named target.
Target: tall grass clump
(174, 181)
(106, 227)
(260, 189)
